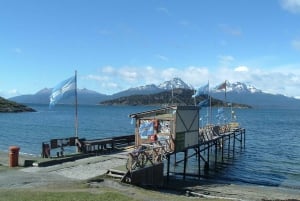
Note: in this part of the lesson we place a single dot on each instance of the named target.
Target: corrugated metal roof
(161, 111)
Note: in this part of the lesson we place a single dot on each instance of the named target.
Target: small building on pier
(176, 127)
(163, 133)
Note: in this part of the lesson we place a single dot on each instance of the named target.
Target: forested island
(177, 97)
(7, 106)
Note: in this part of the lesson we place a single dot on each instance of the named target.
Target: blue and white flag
(202, 91)
(63, 89)
(220, 116)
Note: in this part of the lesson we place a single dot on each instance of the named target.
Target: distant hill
(85, 97)
(248, 94)
(10, 106)
(237, 92)
(180, 97)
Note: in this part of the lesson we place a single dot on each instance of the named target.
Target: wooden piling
(185, 163)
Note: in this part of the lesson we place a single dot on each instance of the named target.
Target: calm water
(271, 156)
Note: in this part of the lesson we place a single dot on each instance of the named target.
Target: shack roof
(161, 111)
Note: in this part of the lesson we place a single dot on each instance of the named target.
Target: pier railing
(85, 146)
(147, 154)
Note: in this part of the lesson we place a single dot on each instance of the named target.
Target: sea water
(271, 156)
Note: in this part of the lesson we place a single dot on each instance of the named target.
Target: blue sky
(116, 44)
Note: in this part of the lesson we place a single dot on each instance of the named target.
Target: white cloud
(163, 58)
(17, 50)
(283, 80)
(184, 23)
(296, 44)
(292, 6)
(230, 30)
(10, 93)
(95, 78)
(108, 69)
(241, 69)
(225, 60)
(104, 32)
(163, 10)
(128, 74)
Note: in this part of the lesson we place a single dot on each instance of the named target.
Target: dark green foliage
(10, 106)
(180, 97)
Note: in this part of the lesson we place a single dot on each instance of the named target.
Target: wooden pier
(213, 148)
(171, 137)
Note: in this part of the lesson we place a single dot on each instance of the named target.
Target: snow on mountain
(239, 87)
(152, 88)
(44, 91)
(149, 87)
(174, 83)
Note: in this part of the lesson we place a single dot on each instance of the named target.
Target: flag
(220, 115)
(221, 86)
(63, 89)
(220, 110)
(204, 103)
(202, 91)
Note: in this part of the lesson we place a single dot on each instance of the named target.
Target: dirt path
(78, 170)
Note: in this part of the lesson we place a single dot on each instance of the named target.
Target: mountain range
(237, 92)
(85, 96)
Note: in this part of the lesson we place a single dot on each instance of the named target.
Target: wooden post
(228, 145)
(216, 153)
(244, 132)
(168, 167)
(241, 142)
(185, 163)
(199, 164)
(233, 143)
(175, 159)
(222, 148)
(208, 156)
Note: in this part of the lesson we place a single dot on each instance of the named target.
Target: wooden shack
(174, 126)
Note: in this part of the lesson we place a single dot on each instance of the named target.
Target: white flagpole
(76, 106)
(195, 97)
(210, 108)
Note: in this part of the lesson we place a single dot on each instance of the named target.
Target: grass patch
(11, 195)
(2, 168)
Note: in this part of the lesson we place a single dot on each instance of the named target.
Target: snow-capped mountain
(237, 92)
(239, 87)
(247, 94)
(149, 87)
(175, 83)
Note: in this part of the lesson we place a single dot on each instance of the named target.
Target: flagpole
(172, 94)
(225, 91)
(195, 97)
(76, 106)
(226, 105)
(210, 109)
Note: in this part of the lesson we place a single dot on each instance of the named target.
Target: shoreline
(82, 170)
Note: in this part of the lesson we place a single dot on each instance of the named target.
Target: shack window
(146, 129)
